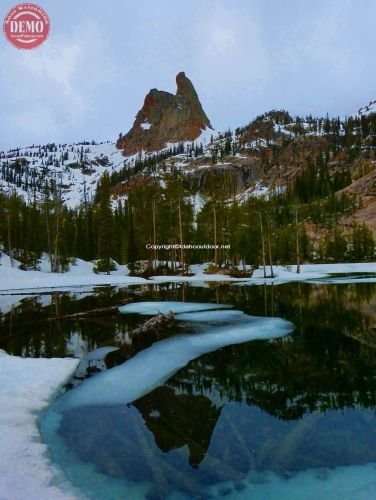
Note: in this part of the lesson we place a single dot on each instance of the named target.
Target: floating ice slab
(214, 316)
(343, 280)
(165, 307)
(153, 366)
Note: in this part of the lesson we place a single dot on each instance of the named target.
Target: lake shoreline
(79, 275)
(28, 387)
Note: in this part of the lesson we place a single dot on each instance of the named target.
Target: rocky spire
(166, 118)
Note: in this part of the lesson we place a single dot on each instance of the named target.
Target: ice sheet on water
(165, 307)
(156, 364)
(343, 280)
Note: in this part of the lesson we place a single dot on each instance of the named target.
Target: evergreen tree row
(280, 230)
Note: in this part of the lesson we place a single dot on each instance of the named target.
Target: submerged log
(158, 322)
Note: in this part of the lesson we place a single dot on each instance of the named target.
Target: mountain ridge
(259, 159)
(278, 176)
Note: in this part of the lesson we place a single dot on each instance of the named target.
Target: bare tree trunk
(86, 221)
(215, 237)
(181, 238)
(10, 248)
(56, 250)
(297, 242)
(154, 235)
(270, 250)
(48, 234)
(172, 254)
(262, 245)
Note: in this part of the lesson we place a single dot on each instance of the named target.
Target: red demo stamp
(26, 26)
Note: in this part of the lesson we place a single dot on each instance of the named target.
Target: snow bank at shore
(27, 387)
(81, 274)
(310, 272)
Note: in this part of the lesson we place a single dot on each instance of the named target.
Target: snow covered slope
(76, 167)
(368, 109)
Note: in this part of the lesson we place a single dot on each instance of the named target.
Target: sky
(244, 57)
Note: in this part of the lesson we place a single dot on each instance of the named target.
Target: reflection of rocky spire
(177, 420)
(166, 118)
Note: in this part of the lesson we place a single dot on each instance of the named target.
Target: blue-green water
(292, 417)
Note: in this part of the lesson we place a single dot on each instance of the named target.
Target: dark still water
(272, 418)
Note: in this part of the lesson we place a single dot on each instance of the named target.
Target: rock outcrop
(166, 118)
(229, 179)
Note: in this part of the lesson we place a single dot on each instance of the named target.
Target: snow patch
(80, 274)
(27, 387)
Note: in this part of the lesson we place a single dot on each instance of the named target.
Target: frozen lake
(234, 403)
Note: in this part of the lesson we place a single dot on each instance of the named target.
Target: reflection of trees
(327, 363)
(26, 330)
(283, 379)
